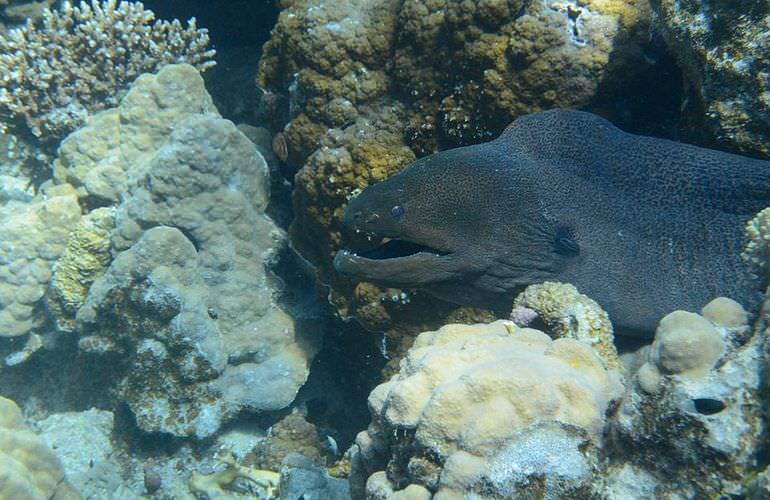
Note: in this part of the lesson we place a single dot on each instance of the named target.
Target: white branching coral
(756, 253)
(79, 59)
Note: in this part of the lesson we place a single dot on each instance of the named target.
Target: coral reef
(35, 235)
(28, 468)
(189, 297)
(15, 12)
(99, 158)
(293, 433)
(461, 415)
(697, 398)
(724, 48)
(472, 67)
(80, 59)
(568, 314)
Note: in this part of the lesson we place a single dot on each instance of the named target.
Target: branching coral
(78, 59)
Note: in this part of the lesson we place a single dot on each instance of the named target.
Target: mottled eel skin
(642, 225)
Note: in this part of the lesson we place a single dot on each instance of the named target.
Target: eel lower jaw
(416, 269)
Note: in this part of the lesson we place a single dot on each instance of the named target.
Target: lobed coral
(28, 468)
(35, 234)
(483, 409)
(189, 295)
(80, 58)
(699, 397)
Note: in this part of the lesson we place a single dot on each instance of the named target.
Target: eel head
(416, 248)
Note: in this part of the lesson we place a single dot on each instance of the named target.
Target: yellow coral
(570, 314)
(86, 257)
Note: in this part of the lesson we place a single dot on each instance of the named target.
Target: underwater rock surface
(724, 48)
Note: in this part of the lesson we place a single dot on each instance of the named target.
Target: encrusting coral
(80, 58)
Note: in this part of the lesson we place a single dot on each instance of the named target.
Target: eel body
(642, 225)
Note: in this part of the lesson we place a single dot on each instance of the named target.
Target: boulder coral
(483, 409)
(34, 236)
(699, 398)
(188, 300)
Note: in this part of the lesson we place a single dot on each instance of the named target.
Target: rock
(692, 419)
(301, 478)
(724, 48)
(83, 443)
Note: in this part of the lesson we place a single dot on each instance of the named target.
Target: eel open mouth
(395, 262)
(393, 249)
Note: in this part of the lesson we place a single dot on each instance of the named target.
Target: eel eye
(564, 242)
(397, 211)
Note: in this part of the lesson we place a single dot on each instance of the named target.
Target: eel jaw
(420, 267)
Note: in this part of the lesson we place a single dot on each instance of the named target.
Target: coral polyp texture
(488, 409)
(28, 468)
(79, 58)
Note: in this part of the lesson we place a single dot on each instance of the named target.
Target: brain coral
(28, 469)
(470, 401)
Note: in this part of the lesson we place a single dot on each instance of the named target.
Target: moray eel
(642, 225)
